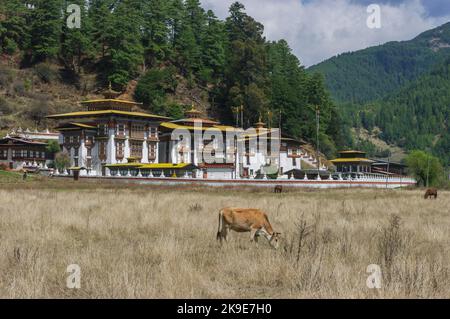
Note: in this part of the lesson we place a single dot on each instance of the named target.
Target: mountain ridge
(375, 72)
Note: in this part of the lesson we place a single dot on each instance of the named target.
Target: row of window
(71, 140)
(136, 150)
(27, 154)
(137, 130)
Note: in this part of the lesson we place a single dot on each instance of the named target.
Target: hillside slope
(374, 73)
(418, 115)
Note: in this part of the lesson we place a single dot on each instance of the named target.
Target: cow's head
(275, 240)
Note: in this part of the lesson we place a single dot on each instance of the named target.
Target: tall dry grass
(160, 243)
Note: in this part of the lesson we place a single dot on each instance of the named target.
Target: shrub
(45, 73)
(53, 147)
(19, 88)
(174, 110)
(153, 86)
(5, 77)
(5, 108)
(3, 167)
(62, 161)
(39, 110)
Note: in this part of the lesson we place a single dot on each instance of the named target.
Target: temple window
(152, 151)
(103, 150)
(153, 132)
(119, 149)
(121, 129)
(136, 149)
(137, 131)
(102, 130)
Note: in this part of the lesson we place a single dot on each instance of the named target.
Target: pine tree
(101, 25)
(213, 48)
(76, 43)
(156, 15)
(14, 33)
(190, 37)
(45, 29)
(125, 46)
(246, 66)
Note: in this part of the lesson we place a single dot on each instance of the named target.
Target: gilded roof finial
(260, 123)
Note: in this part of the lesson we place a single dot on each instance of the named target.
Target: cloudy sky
(320, 29)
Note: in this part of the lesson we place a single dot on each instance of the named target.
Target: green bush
(175, 111)
(425, 167)
(45, 73)
(19, 88)
(5, 108)
(10, 46)
(53, 147)
(6, 77)
(153, 87)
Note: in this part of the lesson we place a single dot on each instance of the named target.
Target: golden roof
(105, 112)
(352, 160)
(351, 152)
(150, 166)
(174, 126)
(110, 100)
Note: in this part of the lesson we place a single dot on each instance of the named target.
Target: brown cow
(431, 192)
(278, 189)
(243, 220)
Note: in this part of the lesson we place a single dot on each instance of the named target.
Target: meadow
(156, 242)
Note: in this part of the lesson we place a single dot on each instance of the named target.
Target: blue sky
(320, 29)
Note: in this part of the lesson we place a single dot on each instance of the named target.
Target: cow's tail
(219, 231)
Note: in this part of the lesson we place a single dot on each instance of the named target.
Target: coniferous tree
(246, 65)
(76, 43)
(45, 29)
(14, 32)
(125, 45)
(101, 25)
(156, 14)
(213, 48)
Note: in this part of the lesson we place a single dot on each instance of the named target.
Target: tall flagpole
(317, 139)
(279, 151)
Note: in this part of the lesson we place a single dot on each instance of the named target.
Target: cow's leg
(253, 235)
(226, 233)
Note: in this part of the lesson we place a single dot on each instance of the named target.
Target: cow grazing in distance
(430, 193)
(278, 189)
(243, 220)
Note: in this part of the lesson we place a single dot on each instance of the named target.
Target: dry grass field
(144, 242)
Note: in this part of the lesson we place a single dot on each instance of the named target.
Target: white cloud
(319, 29)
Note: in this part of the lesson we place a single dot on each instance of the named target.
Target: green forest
(401, 89)
(161, 42)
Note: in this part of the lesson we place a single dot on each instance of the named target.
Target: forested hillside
(177, 52)
(417, 117)
(400, 91)
(374, 73)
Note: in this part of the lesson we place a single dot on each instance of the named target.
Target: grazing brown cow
(278, 189)
(243, 220)
(430, 193)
